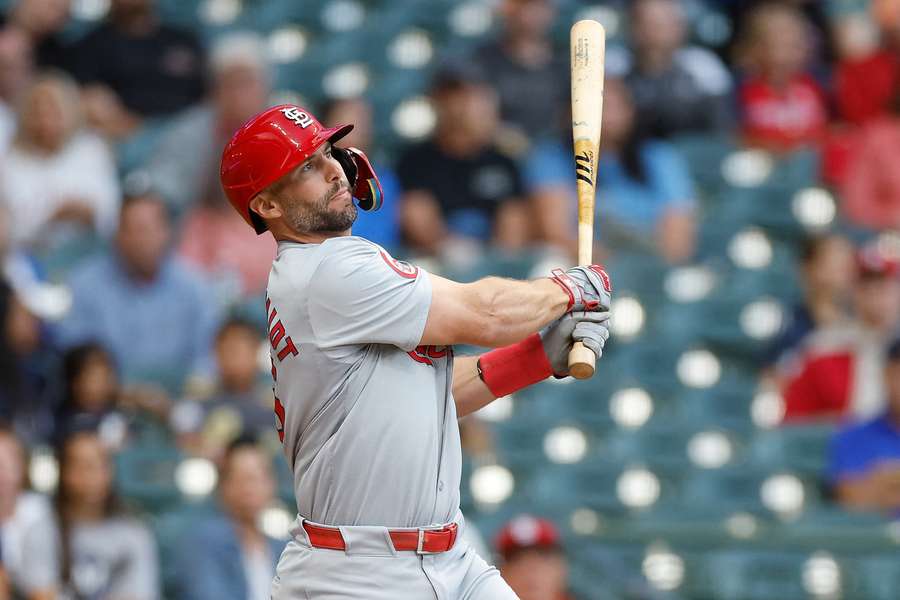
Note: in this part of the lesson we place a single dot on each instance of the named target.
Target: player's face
(315, 197)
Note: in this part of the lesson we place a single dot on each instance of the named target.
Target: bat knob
(581, 361)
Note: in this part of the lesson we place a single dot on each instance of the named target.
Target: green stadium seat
(145, 475)
(752, 575)
(802, 448)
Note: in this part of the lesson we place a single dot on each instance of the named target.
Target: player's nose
(333, 170)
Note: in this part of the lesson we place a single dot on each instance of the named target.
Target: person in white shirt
(56, 177)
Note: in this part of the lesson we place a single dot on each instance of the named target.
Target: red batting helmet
(276, 141)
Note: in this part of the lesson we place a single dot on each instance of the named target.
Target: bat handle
(581, 361)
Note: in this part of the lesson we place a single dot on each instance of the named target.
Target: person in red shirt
(534, 564)
(782, 106)
(836, 373)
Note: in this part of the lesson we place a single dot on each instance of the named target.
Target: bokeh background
(741, 437)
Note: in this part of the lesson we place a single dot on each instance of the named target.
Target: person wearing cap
(368, 391)
(835, 374)
(459, 189)
(534, 564)
(864, 458)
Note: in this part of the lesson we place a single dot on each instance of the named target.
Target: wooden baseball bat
(588, 49)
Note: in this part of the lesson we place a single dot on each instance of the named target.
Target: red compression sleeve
(511, 368)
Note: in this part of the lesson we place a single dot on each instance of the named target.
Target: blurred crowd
(131, 293)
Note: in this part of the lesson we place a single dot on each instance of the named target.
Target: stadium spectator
(382, 227)
(528, 72)
(42, 22)
(56, 177)
(864, 462)
(90, 389)
(16, 66)
(227, 557)
(26, 366)
(238, 404)
(20, 510)
(533, 562)
(456, 185)
(93, 548)
(677, 89)
(836, 372)
(151, 312)
(866, 78)
(870, 191)
(135, 67)
(647, 191)
(827, 271)
(185, 170)
(782, 107)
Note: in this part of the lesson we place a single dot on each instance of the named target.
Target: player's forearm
(469, 391)
(513, 310)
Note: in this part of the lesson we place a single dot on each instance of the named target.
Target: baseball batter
(367, 389)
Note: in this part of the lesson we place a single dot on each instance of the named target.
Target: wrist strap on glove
(511, 368)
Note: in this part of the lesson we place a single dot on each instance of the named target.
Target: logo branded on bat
(584, 166)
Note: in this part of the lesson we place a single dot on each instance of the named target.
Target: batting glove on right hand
(589, 287)
(557, 338)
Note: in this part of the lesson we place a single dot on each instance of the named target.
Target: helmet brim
(334, 134)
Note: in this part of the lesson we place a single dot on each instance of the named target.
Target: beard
(317, 217)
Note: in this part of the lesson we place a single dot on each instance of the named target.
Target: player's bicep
(457, 314)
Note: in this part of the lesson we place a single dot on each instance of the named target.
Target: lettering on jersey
(403, 269)
(297, 117)
(279, 419)
(281, 343)
(427, 354)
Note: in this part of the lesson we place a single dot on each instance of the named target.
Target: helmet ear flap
(347, 163)
(364, 184)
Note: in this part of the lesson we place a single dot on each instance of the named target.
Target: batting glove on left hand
(589, 328)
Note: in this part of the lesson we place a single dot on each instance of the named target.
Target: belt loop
(421, 543)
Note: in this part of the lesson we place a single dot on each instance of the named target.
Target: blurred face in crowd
(143, 235)
(878, 301)
(94, 386)
(357, 112)
(657, 26)
(536, 574)
(15, 63)
(236, 351)
(467, 115)
(779, 43)
(126, 9)
(247, 485)
(831, 268)
(618, 113)
(528, 18)
(42, 17)
(312, 199)
(12, 471)
(50, 114)
(86, 472)
(240, 91)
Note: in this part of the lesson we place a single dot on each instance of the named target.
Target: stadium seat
(802, 448)
(145, 475)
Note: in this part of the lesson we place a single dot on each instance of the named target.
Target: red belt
(422, 541)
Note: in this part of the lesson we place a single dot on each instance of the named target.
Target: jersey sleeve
(359, 294)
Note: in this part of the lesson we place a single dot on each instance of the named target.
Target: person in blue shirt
(226, 556)
(645, 194)
(155, 316)
(864, 462)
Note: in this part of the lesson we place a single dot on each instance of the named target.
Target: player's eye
(307, 167)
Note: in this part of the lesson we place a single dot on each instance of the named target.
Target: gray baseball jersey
(366, 415)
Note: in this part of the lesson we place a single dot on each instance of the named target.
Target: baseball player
(367, 389)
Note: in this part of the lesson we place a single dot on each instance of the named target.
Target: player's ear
(266, 206)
